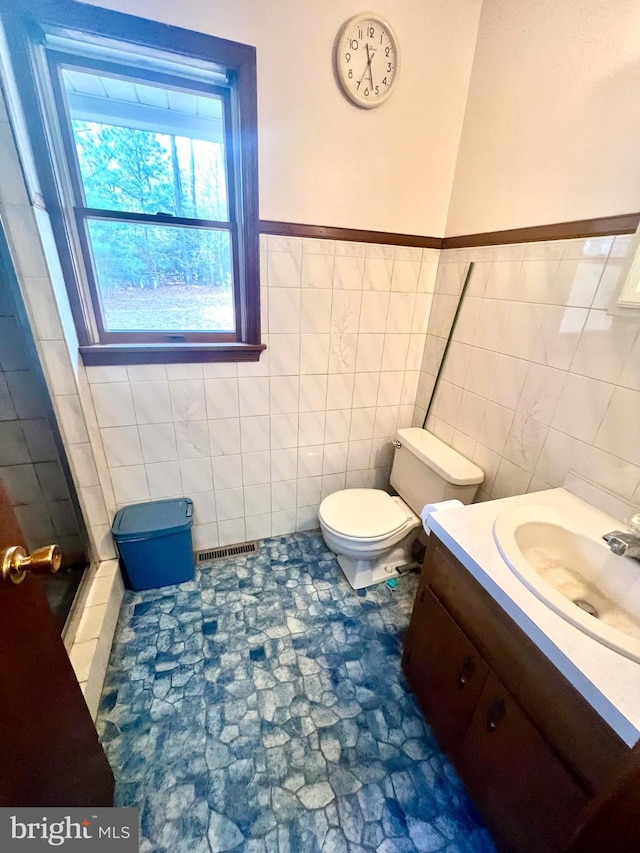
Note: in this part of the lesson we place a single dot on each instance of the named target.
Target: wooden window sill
(96, 354)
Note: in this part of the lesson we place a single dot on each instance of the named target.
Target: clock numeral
(347, 57)
(354, 44)
(377, 90)
(350, 74)
(371, 32)
(384, 81)
(366, 92)
(387, 51)
(358, 84)
(360, 33)
(389, 66)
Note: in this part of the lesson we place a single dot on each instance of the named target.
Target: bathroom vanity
(538, 718)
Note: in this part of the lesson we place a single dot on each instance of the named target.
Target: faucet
(626, 544)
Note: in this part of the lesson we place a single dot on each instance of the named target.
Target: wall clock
(368, 59)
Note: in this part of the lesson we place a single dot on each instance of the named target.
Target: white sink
(563, 564)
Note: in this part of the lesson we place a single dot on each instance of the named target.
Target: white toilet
(371, 532)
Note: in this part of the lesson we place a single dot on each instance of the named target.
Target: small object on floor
(392, 583)
(154, 543)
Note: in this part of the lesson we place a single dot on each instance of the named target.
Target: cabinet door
(528, 799)
(443, 668)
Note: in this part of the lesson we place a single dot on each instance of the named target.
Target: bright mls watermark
(102, 830)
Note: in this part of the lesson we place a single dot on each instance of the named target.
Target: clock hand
(369, 58)
(364, 72)
(367, 68)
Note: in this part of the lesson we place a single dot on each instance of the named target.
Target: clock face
(368, 60)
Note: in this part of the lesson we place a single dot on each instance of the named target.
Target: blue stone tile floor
(262, 708)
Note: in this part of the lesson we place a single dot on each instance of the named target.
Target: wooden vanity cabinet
(444, 669)
(529, 748)
(513, 776)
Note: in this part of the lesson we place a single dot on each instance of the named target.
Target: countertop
(609, 681)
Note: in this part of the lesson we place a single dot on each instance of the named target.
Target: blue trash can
(154, 542)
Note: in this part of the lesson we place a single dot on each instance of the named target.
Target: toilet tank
(426, 470)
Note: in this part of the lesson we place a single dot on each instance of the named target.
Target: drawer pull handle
(496, 713)
(466, 671)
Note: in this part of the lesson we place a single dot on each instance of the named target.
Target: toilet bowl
(371, 532)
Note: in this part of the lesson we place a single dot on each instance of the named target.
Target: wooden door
(49, 749)
(443, 668)
(530, 802)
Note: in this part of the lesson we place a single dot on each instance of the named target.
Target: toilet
(372, 532)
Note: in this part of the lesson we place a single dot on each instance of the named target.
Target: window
(149, 169)
(149, 175)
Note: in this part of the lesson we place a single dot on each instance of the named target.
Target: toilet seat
(363, 514)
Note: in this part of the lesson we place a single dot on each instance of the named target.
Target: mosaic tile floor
(262, 708)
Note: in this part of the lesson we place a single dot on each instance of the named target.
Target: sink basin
(574, 573)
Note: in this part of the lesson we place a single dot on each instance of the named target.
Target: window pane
(146, 148)
(162, 278)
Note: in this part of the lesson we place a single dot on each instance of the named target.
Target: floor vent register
(212, 554)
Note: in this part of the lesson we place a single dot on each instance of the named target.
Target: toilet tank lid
(444, 460)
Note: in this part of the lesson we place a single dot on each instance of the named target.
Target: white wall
(39, 275)
(552, 126)
(257, 446)
(323, 160)
(538, 379)
(327, 181)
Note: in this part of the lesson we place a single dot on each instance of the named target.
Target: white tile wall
(258, 445)
(34, 256)
(539, 380)
(28, 234)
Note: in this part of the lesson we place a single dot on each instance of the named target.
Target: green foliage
(124, 169)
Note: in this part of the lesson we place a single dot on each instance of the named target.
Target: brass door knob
(15, 562)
